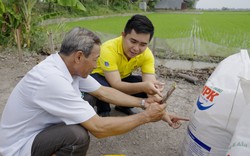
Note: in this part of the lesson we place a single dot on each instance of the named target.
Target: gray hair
(79, 39)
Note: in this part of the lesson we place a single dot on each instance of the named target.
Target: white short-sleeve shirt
(47, 95)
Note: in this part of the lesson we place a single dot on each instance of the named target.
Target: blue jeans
(104, 106)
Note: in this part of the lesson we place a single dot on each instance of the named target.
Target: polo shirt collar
(62, 67)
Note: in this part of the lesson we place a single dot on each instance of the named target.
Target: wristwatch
(143, 104)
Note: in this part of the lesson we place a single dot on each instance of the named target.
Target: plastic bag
(218, 109)
(240, 143)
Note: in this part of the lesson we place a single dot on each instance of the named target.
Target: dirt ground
(152, 139)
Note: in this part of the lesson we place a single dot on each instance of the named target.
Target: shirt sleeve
(148, 65)
(108, 59)
(88, 84)
(57, 96)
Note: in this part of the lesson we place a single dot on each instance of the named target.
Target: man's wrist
(143, 104)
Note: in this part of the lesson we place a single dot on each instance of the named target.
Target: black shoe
(125, 110)
(104, 114)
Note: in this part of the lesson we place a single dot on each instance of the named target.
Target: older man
(45, 113)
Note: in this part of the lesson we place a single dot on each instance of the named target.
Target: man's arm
(146, 86)
(119, 98)
(109, 126)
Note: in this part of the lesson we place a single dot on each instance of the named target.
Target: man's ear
(123, 34)
(78, 56)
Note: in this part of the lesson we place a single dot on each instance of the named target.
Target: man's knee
(78, 134)
(61, 139)
(78, 142)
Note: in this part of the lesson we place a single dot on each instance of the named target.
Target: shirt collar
(62, 66)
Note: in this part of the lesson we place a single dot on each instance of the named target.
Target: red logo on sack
(209, 93)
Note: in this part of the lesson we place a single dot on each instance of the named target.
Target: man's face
(134, 44)
(88, 64)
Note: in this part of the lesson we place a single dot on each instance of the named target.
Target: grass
(185, 33)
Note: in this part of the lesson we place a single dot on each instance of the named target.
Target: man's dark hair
(140, 24)
(79, 39)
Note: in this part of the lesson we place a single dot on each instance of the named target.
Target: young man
(121, 56)
(46, 115)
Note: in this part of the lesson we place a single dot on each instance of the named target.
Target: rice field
(185, 33)
(204, 33)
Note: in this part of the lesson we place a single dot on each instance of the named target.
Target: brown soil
(152, 139)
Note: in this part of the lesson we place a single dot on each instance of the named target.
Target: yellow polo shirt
(112, 58)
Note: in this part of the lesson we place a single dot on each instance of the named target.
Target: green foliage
(95, 9)
(38, 38)
(191, 4)
(2, 7)
(10, 20)
(20, 15)
(119, 5)
(151, 4)
(70, 3)
(26, 15)
(100, 7)
(16, 19)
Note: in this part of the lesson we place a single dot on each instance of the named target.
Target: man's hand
(173, 120)
(153, 87)
(155, 112)
(152, 99)
(159, 85)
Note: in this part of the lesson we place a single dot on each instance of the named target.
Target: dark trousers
(62, 140)
(105, 107)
